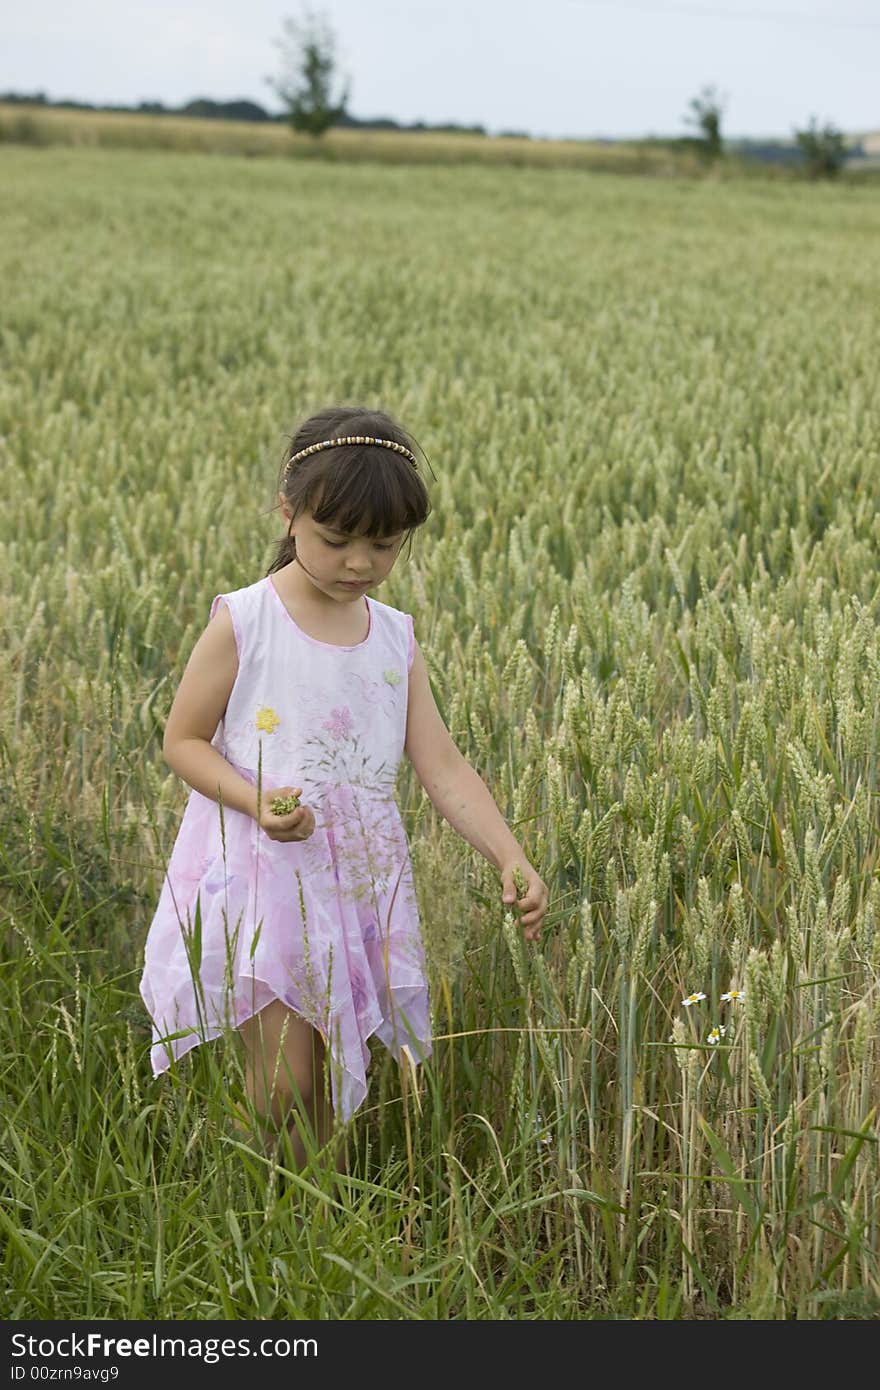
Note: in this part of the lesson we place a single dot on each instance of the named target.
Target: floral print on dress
(365, 690)
(266, 719)
(340, 722)
(358, 991)
(392, 676)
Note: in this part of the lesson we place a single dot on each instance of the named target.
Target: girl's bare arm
(198, 707)
(463, 799)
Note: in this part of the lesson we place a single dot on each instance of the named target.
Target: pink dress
(328, 925)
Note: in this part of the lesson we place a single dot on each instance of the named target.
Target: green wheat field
(648, 596)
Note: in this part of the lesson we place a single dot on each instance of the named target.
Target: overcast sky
(549, 67)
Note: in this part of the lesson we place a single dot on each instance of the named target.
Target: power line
(703, 12)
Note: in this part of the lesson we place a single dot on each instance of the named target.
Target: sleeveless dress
(328, 925)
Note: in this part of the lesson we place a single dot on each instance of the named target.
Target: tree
(706, 111)
(308, 76)
(824, 150)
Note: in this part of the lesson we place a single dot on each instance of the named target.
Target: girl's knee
(285, 1063)
(290, 1089)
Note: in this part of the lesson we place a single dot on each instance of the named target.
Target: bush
(23, 130)
(824, 150)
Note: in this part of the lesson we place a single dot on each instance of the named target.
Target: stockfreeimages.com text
(210, 1350)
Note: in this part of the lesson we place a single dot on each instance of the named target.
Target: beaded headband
(349, 439)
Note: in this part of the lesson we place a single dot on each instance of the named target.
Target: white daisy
(716, 1034)
(693, 998)
(734, 996)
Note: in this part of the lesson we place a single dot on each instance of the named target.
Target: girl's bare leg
(285, 1076)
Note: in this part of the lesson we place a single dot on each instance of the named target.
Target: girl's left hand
(533, 903)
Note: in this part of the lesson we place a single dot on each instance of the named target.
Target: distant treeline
(241, 110)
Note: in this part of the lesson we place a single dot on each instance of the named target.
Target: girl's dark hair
(357, 488)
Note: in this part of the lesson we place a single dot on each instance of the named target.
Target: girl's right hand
(296, 825)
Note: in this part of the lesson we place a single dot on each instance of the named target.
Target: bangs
(362, 494)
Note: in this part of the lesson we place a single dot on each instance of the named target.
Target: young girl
(298, 924)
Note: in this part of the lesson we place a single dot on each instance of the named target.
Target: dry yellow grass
(39, 125)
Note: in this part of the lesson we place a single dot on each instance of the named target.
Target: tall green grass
(648, 598)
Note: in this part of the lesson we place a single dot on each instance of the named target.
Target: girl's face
(341, 565)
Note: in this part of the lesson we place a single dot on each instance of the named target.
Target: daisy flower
(693, 998)
(734, 996)
(716, 1034)
(542, 1132)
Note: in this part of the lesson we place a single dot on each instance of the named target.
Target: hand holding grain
(285, 825)
(519, 877)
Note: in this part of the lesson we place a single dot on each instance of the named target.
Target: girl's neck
(319, 615)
